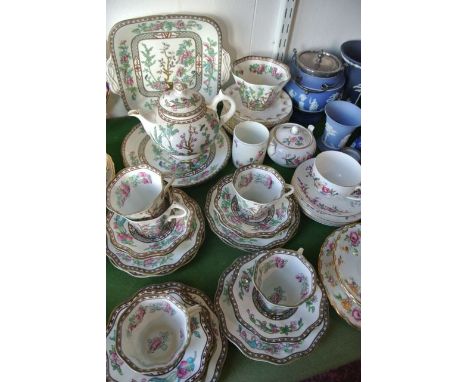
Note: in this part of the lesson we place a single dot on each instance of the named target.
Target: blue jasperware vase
(342, 118)
(351, 53)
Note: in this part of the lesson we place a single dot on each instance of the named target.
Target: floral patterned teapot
(183, 124)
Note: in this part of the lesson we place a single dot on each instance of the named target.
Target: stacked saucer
(279, 112)
(137, 148)
(320, 205)
(166, 332)
(271, 227)
(339, 267)
(174, 246)
(271, 305)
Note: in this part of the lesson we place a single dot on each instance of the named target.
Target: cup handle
(193, 309)
(311, 128)
(178, 206)
(358, 188)
(291, 190)
(272, 147)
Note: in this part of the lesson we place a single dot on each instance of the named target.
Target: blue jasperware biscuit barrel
(317, 77)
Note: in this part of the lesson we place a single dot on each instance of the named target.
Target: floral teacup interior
(284, 278)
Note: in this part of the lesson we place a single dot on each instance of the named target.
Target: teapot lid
(181, 102)
(294, 136)
(319, 63)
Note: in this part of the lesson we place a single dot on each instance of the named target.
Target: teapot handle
(232, 109)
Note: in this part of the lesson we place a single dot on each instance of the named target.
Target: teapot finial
(180, 86)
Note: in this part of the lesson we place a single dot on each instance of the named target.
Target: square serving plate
(151, 52)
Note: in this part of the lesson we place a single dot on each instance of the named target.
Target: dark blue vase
(351, 53)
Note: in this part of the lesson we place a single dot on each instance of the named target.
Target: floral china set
(166, 332)
(272, 306)
(270, 303)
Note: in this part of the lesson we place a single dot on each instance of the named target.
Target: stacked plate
(110, 169)
(260, 333)
(278, 226)
(279, 112)
(340, 270)
(138, 148)
(329, 210)
(166, 332)
(144, 257)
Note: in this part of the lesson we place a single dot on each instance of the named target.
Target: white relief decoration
(314, 105)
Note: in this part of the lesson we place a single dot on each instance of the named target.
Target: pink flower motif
(325, 190)
(124, 59)
(354, 238)
(180, 71)
(158, 26)
(115, 358)
(356, 314)
(129, 81)
(279, 262)
(300, 277)
(182, 369)
(180, 24)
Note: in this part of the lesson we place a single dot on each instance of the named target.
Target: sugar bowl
(291, 144)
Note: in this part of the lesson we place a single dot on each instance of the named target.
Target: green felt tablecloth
(340, 344)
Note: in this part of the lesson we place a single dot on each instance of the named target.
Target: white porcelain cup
(257, 188)
(138, 192)
(284, 279)
(249, 144)
(154, 228)
(337, 174)
(154, 332)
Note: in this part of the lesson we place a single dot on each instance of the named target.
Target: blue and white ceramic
(342, 118)
(316, 69)
(351, 53)
(356, 143)
(311, 101)
(316, 79)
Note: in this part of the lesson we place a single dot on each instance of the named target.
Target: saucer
(335, 209)
(138, 148)
(335, 221)
(162, 265)
(249, 343)
(279, 112)
(194, 360)
(252, 244)
(278, 218)
(181, 292)
(293, 326)
(347, 260)
(344, 305)
(124, 236)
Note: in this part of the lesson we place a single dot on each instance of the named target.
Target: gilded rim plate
(162, 265)
(345, 306)
(334, 208)
(279, 112)
(282, 213)
(205, 359)
(347, 260)
(124, 237)
(138, 148)
(249, 343)
(247, 243)
(294, 328)
(219, 354)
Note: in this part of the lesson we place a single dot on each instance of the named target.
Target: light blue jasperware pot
(351, 53)
(342, 118)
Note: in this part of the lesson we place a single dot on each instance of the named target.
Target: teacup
(337, 174)
(342, 119)
(284, 280)
(138, 192)
(250, 141)
(260, 80)
(257, 188)
(159, 226)
(153, 333)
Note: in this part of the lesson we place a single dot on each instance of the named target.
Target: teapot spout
(145, 119)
